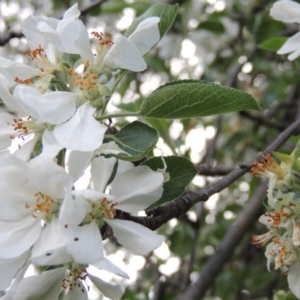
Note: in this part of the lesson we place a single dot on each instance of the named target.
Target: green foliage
(117, 6)
(191, 98)
(273, 44)
(166, 12)
(136, 139)
(181, 172)
(213, 26)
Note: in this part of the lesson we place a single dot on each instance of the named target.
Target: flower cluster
(282, 217)
(50, 107)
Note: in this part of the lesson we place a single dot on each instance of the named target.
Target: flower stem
(116, 83)
(120, 114)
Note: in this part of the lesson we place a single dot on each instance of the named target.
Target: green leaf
(192, 98)
(213, 26)
(290, 297)
(167, 14)
(181, 172)
(273, 44)
(110, 7)
(288, 159)
(162, 126)
(136, 139)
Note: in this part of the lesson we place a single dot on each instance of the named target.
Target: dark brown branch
(215, 264)
(207, 170)
(162, 214)
(261, 120)
(6, 37)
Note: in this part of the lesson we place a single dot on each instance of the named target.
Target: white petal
(49, 32)
(15, 69)
(57, 107)
(49, 178)
(138, 188)
(6, 130)
(33, 35)
(101, 170)
(25, 232)
(82, 132)
(78, 162)
(111, 291)
(77, 293)
(68, 35)
(17, 192)
(124, 54)
(9, 269)
(135, 237)
(294, 55)
(74, 39)
(286, 11)
(13, 287)
(51, 107)
(73, 211)
(8, 99)
(50, 248)
(50, 145)
(290, 45)
(25, 149)
(124, 166)
(72, 13)
(106, 264)
(294, 279)
(84, 243)
(46, 286)
(146, 34)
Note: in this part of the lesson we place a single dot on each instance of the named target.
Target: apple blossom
(31, 192)
(70, 281)
(131, 191)
(57, 36)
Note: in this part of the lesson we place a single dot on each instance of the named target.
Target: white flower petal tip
(292, 45)
(106, 264)
(136, 238)
(293, 280)
(148, 189)
(125, 55)
(146, 34)
(286, 11)
(111, 291)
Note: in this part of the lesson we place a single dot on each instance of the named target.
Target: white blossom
(289, 12)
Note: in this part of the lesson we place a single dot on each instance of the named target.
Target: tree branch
(207, 170)
(215, 264)
(162, 214)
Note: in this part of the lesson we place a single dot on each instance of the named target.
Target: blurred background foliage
(216, 41)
